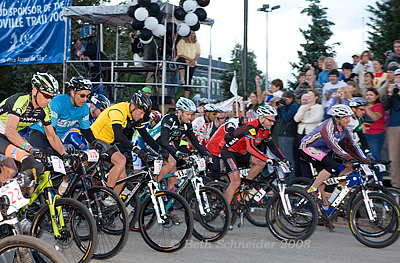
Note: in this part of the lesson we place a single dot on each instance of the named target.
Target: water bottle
(25, 226)
(250, 193)
(124, 194)
(334, 194)
(62, 188)
(129, 208)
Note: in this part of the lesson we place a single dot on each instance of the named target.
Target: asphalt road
(255, 244)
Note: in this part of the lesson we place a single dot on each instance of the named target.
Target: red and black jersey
(246, 138)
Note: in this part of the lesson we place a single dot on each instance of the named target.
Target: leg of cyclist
(256, 168)
(234, 177)
(8, 169)
(117, 172)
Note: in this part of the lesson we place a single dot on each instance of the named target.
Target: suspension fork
(158, 206)
(369, 205)
(197, 183)
(284, 198)
(55, 216)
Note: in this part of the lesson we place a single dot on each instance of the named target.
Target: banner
(32, 32)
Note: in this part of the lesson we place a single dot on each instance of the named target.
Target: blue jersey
(64, 115)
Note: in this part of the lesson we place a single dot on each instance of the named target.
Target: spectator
(311, 77)
(368, 81)
(188, 50)
(301, 87)
(341, 96)
(329, 64)
(354, 89)
(356, 59)
(256, 99)
(376, 133)
(332, 86)
(277, 125)
(309, 83)
(365, 64)
(287, 108)
(321, 61)
(236, 109)
(276, 90)
(347, 70)
(379, 75)
(396, 56)
(392, 103)
(304, 99)
(389, 80)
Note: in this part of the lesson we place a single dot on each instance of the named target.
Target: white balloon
(190, 6)
(141, 13)
(159, 31)
(183, 29)
(151, 23)
(191, 19)
(145, 42)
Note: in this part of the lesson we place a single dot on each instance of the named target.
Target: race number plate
(157, 166)
(382, 168)
(93, 156)
(284, 167)
(366, 169)
(201, 164)
(15, 197)
(58, 165)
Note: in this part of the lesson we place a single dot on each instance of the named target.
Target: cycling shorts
(233, 160)
(319, 159)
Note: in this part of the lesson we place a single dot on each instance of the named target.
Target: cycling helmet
(100, 101)
(211, 108)
(45, 82)
(141, 101)
(357, 101)
(266, 111)
(367, 118)
(185, 104)
(155, 115)
(340, 111)
(80, 83)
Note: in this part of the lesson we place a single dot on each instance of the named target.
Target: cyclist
(22, 110)
(108, 129)
(202, 126)
(330, 136)
(241, 149)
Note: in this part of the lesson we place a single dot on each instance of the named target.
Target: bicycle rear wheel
(378, 233)
(78, 236)
(300, 223)
(27, 249)
(175, 227)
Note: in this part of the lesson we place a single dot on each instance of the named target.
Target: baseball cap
(355, 55)
(146, 89)
(347, 65)
(392, 68)
(397, 72)
(73, 42)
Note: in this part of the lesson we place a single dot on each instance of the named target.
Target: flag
(233, 88)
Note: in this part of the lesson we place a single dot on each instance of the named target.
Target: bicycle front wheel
(169, 232)
(380, 232)
(256, 210)
(27, 249)
(299, 223)
(78, 235)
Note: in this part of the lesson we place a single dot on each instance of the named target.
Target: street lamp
(266, 9)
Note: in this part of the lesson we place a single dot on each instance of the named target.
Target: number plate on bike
(58, 165)
(284, 167)
(157, 166)
(366, 169)
(15, 197)
(183, 173)
(93, 155)
(201, 164)
(382, 168)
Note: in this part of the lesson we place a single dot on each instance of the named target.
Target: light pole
(266, 9)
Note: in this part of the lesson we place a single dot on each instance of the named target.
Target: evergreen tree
(386, 26)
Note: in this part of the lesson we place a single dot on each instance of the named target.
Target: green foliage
(236, 66)
(385, 24)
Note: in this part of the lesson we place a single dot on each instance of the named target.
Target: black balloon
(136, 24)
(180, 13)
(159, 18)
(171, 28)
(154, 9)
(203, 3)
(201, 14)
(131, 10)
(195, 27)
(145, 34)
(144, 3)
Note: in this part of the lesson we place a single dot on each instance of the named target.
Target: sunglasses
(271, 121)
(46, 96)
(82, 95)
(214, 113)
(366, 124)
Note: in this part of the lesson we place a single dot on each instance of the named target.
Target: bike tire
(112, 221)
(300, 224)
(36, 248)
(78, 239)
(214, 224)
(256, 210)
(379, 233)
(167, 236)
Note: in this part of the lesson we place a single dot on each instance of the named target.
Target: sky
(284, 37)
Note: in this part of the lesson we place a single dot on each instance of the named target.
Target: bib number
(15, 197)
(58, 165)
(93, 156)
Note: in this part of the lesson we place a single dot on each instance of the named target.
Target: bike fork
(285, 199)
(369, 206)
(158, 206)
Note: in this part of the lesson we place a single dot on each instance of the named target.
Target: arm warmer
(88, 134)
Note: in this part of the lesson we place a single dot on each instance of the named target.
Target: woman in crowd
(379, 75)
(341, 96)
(354, 89)
(364, 65)
(368, 81)
(256, 99)
(329, 64)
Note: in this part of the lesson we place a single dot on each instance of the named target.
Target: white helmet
(211, 108)
(266, 111)
(340, 111)
(185, 104)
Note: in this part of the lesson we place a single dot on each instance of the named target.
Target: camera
(396, 88)
(338, 95)
(389, 53)
(281, 101)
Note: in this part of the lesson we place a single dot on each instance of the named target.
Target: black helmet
(357, 101)
(45, 82)
(79, 83)
(367, 118)
(141, 101)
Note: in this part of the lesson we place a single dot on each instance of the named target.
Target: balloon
(154, 9)
(136, 24)
(150, 23)
(180, 13)
(159, 18)
(171, 28)
(189, 6)
(132, 2)
(203, 3)
(144, 3)
(145, 34)
(141, 13)
(183, 30)
(191, 19)
(145, 42)
(195, 27)
(159, 31)
(201, 14)
(131, 10)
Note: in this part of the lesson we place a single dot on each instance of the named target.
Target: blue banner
(32, 32)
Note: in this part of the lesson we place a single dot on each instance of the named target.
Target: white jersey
(202, 130)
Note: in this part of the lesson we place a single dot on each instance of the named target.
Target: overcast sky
(283, 30)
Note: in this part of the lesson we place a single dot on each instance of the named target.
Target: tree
(316, 36)
(386, 26)
(236, 66)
